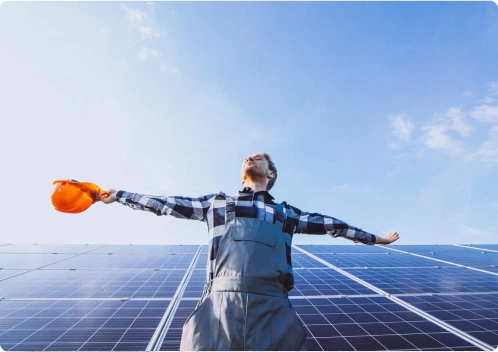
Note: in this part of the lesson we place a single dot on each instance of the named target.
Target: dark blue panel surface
(195, 285)
(342, 249)
(485, 246)
(382, 260)
(300, 260)
(370, 323)
(455, 254)
(48, 248)
(6, 273)
(427, 280)
(145, 249)
(173, 336)
(202, 261)
(74, 325)
(312, 282)
(117, 283)
(127, 261)
(29, 261)
(477, 314)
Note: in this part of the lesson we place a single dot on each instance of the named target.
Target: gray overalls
(246, 306)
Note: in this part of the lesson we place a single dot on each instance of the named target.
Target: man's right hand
(108, 198)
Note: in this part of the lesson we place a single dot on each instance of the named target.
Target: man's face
(255, 166)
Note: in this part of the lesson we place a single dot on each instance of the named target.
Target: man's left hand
(388, 239)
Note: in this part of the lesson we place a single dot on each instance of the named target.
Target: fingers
(109, 197)
(393, 237)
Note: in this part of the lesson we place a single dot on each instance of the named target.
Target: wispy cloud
(490, 98)
(147, 52)
(437, 134)
(458, 122)
(401, 127)
(342, 187)
(468, 94)
(436, 137)
(485, 113)
(141, 21)
(488, 151)
(169, 69)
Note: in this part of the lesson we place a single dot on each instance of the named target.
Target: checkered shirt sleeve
(179, 207)
(318, 224)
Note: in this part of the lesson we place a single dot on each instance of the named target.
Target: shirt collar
(249, 190)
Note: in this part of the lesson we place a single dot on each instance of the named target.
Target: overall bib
(246, 306)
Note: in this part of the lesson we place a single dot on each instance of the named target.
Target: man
(245, 305)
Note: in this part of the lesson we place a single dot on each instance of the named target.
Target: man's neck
(255, 185)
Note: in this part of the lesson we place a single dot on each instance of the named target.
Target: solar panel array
(349, 298)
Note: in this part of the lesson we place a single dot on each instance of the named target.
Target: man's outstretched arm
(179, 207)
(318, 224)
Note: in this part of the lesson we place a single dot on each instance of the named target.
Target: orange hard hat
(71, 196)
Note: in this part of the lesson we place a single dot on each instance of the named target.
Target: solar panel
(459, 255)
(80, 283)
(343, 249)
(146, 249)
(173, 337)
(475, 314)
(123, 297)
(135, 261)
(46, 248)
(317, 282)
(486, 246)
(427, 280)
(74, 325)
(6, 273)
(369, 324)
(300, 260)
(195, 285)
(30, 261)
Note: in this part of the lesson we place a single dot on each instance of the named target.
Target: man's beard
(252, 174)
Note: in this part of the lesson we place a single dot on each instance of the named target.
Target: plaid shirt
(258, 205)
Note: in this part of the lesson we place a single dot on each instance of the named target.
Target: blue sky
(381, 114)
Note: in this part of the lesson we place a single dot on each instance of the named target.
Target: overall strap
(229, 210)
(279, 218)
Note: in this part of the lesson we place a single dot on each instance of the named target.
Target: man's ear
(271, 175)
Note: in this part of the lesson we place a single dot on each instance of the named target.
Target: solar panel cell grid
(78, 324)
(195, 285)
(201, 261)
(475, 314)
(389, 259)
(427, 280)
(136, 261)
(29, 261)
(300, 260)
(47, 249)
(93, 284)
(147, 250)
(340, 249)
(325, 282)
(348, 328)
(486, 246)
(4, 274)
(172, 339)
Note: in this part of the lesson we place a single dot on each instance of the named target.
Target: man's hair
(271, 167)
